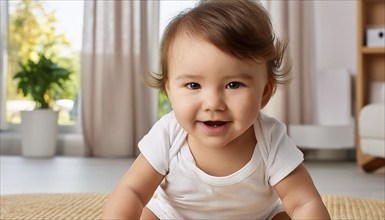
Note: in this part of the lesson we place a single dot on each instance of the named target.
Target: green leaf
(41, 79)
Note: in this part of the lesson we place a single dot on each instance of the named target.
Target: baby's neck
(226, 160)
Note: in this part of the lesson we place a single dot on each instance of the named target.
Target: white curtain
(120, 44)
(294, 19)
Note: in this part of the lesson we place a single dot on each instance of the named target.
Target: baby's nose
(214, 101)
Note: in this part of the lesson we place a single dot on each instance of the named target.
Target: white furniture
(327, 137)
(334, 124)
(370, 68)
(371, 127)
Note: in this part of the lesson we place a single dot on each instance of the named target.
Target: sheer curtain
(294, 20)
(120, 44)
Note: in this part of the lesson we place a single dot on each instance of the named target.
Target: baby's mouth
(214, 124)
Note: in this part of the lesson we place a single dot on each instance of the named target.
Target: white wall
(336, 35)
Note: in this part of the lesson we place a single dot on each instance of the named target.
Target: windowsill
(63, 129)
(68, 143)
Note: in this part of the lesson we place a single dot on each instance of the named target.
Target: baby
(216, 156)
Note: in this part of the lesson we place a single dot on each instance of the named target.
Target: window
(54, 27)
(63, 21)
(168, 10)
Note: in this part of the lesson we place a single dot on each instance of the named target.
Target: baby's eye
(234, 85)
(193, 86)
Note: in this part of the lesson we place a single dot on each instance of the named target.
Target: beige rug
(88, 206)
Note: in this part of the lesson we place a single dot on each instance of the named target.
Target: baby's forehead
(185, 39)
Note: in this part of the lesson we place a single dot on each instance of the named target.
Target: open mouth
(215, 124)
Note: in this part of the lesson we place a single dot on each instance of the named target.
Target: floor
(74, 174)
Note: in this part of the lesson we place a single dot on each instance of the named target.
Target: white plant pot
(39, 133)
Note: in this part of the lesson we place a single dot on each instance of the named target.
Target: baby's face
(216, 97)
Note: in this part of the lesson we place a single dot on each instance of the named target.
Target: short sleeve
(155, 145)
(284, 156)
(161, 143)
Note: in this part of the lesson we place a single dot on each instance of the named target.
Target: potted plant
(40, 80)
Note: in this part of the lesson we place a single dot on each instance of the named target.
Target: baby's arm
(133, 191)
(300, 197)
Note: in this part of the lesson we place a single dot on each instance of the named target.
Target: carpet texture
(64, 206)
(67, 206)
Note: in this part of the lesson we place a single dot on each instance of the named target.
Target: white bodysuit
(187, 192)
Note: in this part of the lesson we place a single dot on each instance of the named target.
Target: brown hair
(241, 28)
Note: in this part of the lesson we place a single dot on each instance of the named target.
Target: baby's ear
(268, 92)
(166, 88)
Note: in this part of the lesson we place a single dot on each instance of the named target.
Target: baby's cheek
(185, 107)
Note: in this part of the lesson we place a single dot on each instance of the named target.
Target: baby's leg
(148, 214)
